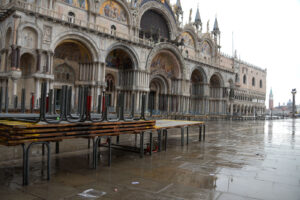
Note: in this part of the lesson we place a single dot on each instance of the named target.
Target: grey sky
(266, 34)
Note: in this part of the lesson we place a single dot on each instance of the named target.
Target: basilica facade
(137, 47)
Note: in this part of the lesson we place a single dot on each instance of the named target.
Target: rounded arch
(159, 88)
(245, 79)
(253, 81)
(192, 33)
(162, 10)
(172, 49)
(202, 71)
(84, 39)
(203, 47)
(260, 83)
(129, 50)
(73, 50)
(125, 6)
(162, 82)
(217, 77)
(32, 26)
(110, 82)
(27, 64)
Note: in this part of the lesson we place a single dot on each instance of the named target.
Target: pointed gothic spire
(178, 4)
(216, 29)
(198, 22)
(178, 10)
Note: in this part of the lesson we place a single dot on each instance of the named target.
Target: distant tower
(271, 102)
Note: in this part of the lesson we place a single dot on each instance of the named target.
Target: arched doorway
(27, 64)
(73, 66)
(166, 66)
(119, 77)
(27, 67)
(158, 100)
(197, 92)
(216, 105)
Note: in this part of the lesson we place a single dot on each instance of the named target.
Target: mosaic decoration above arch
(78, 3)
(113, 10)
(73, 50)
(188, 39)
(165, 64)
(119, 59)
(64, 73)
(206, 49)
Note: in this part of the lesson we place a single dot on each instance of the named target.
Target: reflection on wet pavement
(239, 160)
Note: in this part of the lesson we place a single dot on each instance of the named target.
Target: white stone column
(14, 91)
(137, 101)
(37, 92)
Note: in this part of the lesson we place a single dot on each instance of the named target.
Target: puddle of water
(92, 194)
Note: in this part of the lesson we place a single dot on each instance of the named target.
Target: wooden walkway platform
(28, 134)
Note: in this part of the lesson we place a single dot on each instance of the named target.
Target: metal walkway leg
(159, 141)
(200, 133)
(95, 151)
(57, 147)
(182, 136)
(166, 138)
(151, 142)
(142, 144)
(187, 135)
(26, 151)
(204, 132)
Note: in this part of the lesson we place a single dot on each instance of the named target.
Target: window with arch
(110, 83)
(245, 79)
(260, 84)
(253, 81)
(71, 17)
(237, 78)
(113, 29)
(154, 26)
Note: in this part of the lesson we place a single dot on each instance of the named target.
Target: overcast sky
(266, 34)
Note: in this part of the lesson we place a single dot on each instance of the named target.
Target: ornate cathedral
(137, 47)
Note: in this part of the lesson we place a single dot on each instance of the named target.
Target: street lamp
(294, 91)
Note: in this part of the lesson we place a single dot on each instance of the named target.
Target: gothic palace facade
(137, 47)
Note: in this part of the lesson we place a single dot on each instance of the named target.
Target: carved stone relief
(47, 36)
(29, 38)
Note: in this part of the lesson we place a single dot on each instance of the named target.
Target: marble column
(13, 57)
(18, 57)
(38, 61)
(37, 92)
(14, 90)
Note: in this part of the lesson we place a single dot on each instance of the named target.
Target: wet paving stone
(238, 161)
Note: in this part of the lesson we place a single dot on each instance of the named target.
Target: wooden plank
(47, 130)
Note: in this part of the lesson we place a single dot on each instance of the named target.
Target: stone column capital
(39, 51)
(13, 47)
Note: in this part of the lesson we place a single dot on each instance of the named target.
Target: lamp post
(294, 91)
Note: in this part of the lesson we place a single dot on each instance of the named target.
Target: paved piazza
(239, 160)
